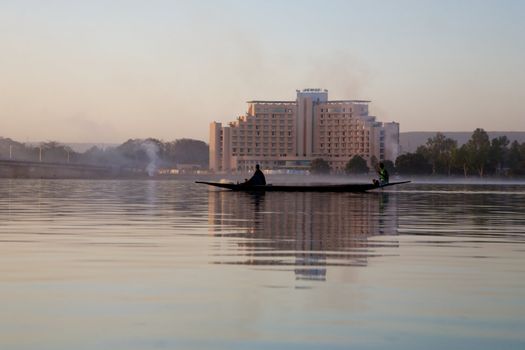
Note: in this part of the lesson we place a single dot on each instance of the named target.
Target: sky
(107, 71)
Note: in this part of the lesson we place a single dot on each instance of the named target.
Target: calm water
(174, 265)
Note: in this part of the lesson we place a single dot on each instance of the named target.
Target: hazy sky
(106, 71)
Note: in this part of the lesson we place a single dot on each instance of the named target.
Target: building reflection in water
(306, 231)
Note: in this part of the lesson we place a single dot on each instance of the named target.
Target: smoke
(151, 150)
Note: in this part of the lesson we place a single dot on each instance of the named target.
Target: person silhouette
(257, 179)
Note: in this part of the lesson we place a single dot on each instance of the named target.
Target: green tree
(478, 148)
(53, 151)
(188, 151)
(413, 163)
(461, 159)
(517, 158)
(357, 165)
(319, 166)
(498, 154)
(439, 151)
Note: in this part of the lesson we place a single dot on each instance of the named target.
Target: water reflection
(308, 231)
(473, 212)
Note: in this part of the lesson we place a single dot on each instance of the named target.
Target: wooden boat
(362, 187)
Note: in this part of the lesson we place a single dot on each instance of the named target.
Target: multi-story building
(290, 134)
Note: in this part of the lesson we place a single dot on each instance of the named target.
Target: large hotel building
(290, 134)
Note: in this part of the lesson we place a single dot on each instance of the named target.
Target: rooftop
(271, 102)
(293, 102)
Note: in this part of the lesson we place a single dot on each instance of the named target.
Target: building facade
(290, 134)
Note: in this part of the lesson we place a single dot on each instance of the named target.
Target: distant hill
(410, 141)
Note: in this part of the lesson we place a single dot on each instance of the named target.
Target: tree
(498, 154)
(461, 159)
(319, 166)
(413, 163)
(478, 148)
(53, 151)
(188, 151)
(517, 158)
(10, 149)
(357, 165)
(439, 151)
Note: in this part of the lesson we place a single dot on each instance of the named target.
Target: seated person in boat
(257, 179)
(383, 175)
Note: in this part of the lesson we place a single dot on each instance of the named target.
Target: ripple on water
(176, 262)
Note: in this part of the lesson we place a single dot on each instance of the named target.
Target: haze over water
(175, 265)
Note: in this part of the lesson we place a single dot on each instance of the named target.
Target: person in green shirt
(383, 174)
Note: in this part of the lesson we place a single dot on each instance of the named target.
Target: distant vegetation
(134, 153)
(480, 156)
(440, 155)
(357, 165)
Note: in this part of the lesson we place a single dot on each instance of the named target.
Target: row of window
(329, 116)
(351, 123)
(265, 130)
(274, 116)
(343, 133)
(272, 140)
(336, 110)
(345, 155)
(262, 154)
(337, 139)
(343, 145)
(273, 109)
(280, 147)
(264, 133)
(359, 130)
(257, 124)
(252, 132)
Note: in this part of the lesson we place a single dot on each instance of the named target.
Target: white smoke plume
(151, 150)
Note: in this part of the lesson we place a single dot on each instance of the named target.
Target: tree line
(440, 155)
(135, 153)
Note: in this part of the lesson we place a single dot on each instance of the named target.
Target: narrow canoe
(363, 187)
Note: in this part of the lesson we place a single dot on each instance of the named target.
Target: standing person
(383, 174)
(257, 179)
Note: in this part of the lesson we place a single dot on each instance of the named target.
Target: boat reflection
(306, 231)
